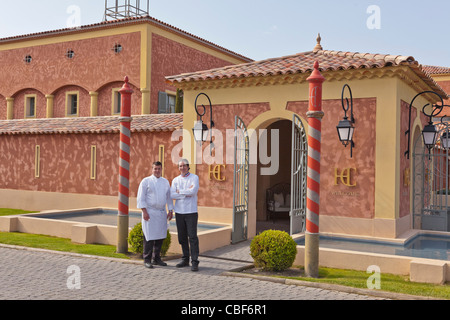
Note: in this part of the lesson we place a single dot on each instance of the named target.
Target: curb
(71, 254)
(326, 286)
(82, 255)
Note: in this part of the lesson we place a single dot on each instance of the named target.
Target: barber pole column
(315, 115)
(124, 168)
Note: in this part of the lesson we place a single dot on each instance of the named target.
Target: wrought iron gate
(298, 176)
(431, 192)
(240, 182)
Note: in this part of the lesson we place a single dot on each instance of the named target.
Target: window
(117, 48)
(70, 54)
(171, 105)
(30, 106)
(93, 170)
(166, 102)
(72, 104)
(27, 59)
(116, 101)
(37, 161)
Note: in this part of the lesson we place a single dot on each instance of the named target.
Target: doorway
(273, 177)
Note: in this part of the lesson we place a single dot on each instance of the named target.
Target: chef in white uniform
(184, 191)
(153, 198)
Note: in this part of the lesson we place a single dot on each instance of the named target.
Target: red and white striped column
(124, 168)
(315, 115)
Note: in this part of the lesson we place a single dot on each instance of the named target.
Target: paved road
(30, 274)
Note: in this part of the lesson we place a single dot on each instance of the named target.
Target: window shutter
(163, 102)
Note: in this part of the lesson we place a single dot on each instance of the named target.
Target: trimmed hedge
(273, 250)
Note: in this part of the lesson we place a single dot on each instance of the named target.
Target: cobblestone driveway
(31, 274)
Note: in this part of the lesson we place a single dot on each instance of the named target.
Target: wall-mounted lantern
(345, 127)
(201, 130)
(445, 139)
(429, 133)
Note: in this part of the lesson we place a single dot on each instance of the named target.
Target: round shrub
(166, 244)
(273, 250)
(136, 240)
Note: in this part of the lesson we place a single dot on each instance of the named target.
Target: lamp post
(315, 115)
(201, 130)
(429, 132)
(124, 168)
(345, 127)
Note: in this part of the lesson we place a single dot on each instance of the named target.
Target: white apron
(154, 195)
(156, 227)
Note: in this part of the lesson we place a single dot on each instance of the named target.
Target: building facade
(367, 194)
(59, 126)
(60, 105)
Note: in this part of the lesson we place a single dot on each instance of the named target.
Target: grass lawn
(388, 282)
(58, 244)
(54, 243)
(359, 279)
(11, 212)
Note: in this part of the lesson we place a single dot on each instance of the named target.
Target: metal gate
(298, 176)
(240, 181)
(431, 186)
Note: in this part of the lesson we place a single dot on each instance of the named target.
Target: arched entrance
(281, 176)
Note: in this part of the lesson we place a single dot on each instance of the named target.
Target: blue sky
(261, 29)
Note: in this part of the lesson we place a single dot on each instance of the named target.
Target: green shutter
(163, 102)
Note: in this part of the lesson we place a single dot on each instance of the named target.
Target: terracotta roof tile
(298, 63)
(149, 123)
(118, 23)
(436, 70)
(303, 63)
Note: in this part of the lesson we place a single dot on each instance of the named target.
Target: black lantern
(429, 132)
(345, 131)
(445, 140)
(345, 127)
(430, 135)
(201, 130)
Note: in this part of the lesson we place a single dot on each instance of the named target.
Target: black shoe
(194, 266)
(159, 262)
(148, 265)
(182, 264)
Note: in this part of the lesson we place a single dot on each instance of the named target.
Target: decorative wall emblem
(345, 177)
(215, 172)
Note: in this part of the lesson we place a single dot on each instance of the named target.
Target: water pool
(421, 246)
(109, 217)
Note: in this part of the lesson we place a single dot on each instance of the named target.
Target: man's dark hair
(157, 163)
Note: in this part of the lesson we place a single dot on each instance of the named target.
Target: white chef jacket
(154, 195)
(186, 197)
